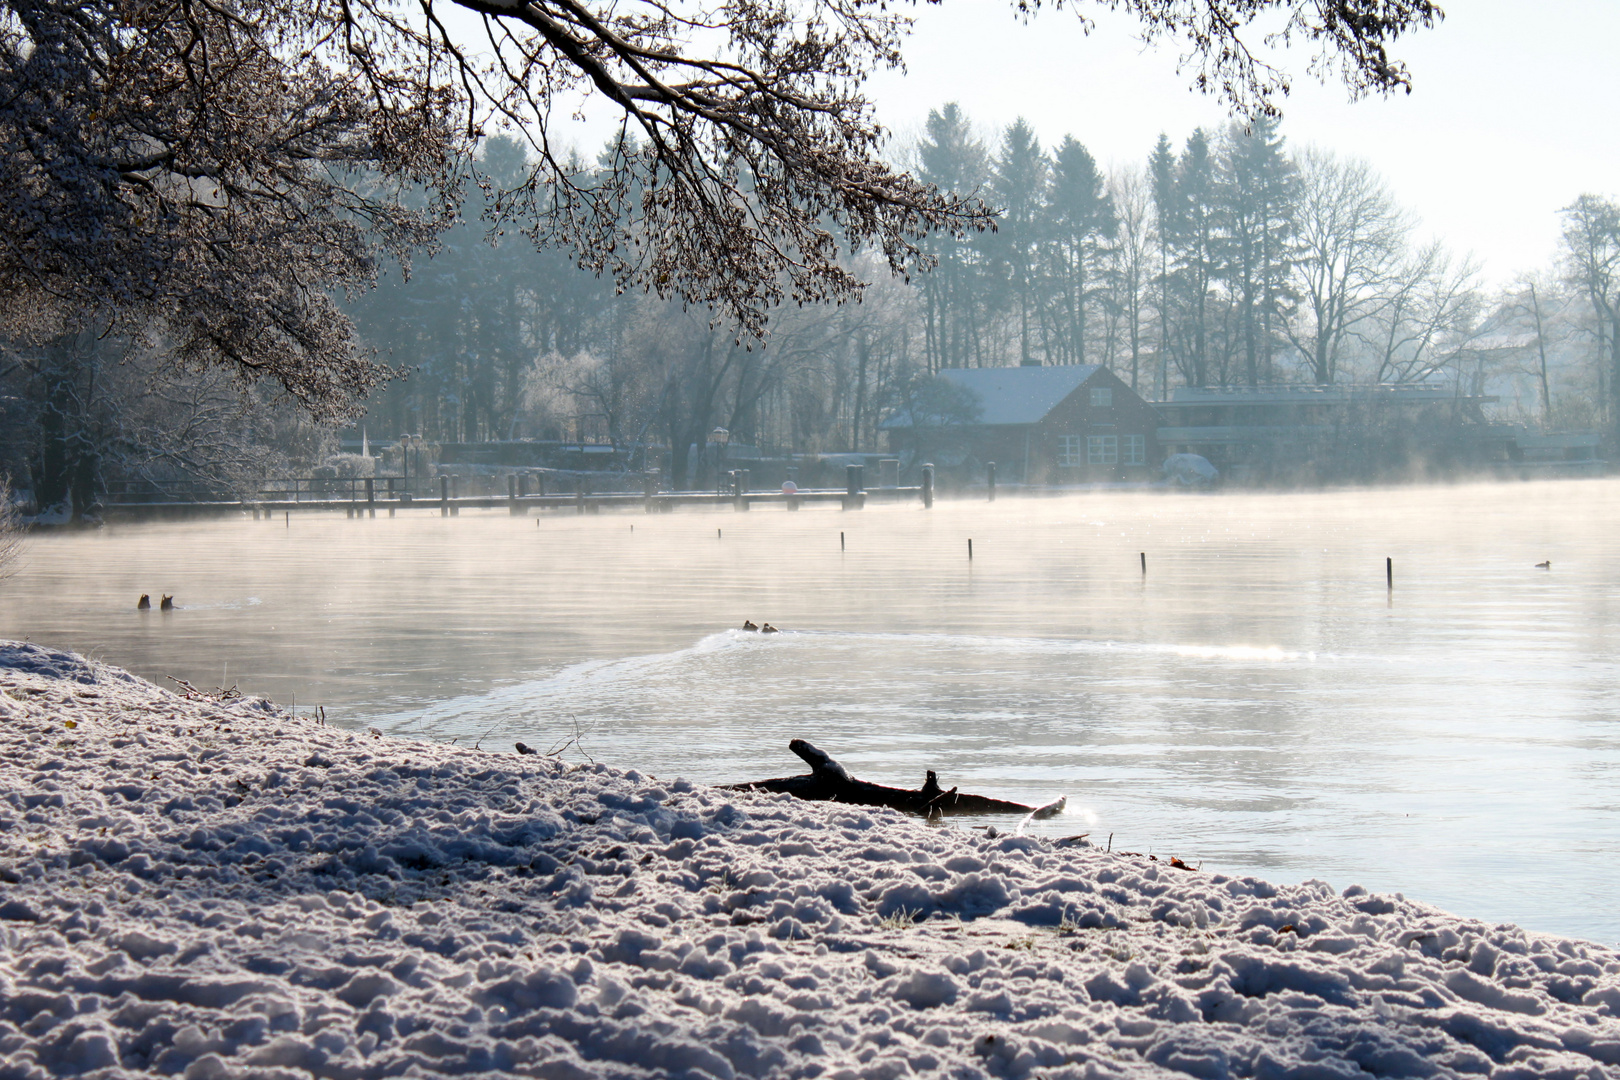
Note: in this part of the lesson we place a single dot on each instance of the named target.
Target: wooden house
(1059, 425)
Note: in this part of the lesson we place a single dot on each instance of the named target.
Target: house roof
(1014, 395)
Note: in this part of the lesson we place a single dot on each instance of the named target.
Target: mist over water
(1257, 702)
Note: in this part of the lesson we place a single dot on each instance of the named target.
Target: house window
(1103, 449)
(1135, 449)
(1069, 451)
(1102, 397)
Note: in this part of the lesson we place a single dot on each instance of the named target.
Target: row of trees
(193, 187)
(1227, 261)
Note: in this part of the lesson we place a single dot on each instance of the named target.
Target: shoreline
(207, 889)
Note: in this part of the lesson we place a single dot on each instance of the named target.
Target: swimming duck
(748, 624)
(1544, 565)
(769, 629)
(145, 603)
(167, 604)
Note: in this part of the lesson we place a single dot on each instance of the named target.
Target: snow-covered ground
(222, 890)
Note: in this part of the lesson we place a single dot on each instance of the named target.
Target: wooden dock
(516, 505)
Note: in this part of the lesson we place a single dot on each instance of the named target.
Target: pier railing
(365, 496)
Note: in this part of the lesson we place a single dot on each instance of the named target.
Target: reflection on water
(1257, 701)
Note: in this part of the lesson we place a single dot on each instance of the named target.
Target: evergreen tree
(1018, 190)
(1166, 224)
(1082, 222)
(1257, 188)
(952, 160)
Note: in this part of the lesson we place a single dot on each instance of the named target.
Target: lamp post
(718, 438)
(406, 441)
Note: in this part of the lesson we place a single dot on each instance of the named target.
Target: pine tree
(950, 159)
(1257, 187)
(1018, 189)
(1082, 223)
(1166, 223)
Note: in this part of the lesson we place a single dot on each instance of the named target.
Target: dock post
(393, 497)
(512, 494)
(854, 484)
(455, 494)
(928, 486)
(739, 489)
(1389, 572)
(990, 478)
(444, 496)
(371, 496)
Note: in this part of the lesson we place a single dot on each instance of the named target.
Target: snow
(218, 889)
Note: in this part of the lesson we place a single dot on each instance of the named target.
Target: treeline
(1230, 260)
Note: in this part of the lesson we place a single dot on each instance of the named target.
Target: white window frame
(1102, 449)
(1069, 453)
(1102, 397)
(1136, 449)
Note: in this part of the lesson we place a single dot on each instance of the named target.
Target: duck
(1544, 565)
(748, 624)
(167, 604)
(144, 604)
(769, 629)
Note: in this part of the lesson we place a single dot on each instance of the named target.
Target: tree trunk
(828, 781)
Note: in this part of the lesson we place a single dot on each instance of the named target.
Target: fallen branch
(828, 781)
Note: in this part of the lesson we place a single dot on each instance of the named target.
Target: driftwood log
(828, 781)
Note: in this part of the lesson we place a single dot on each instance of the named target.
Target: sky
(1514, 109)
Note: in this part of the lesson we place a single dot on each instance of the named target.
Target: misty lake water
(1257, 702)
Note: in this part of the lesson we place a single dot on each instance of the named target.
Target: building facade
(1057, 425)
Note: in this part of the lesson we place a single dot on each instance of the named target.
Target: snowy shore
(202, 889)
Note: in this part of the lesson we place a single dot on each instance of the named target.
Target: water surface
(1258, 701)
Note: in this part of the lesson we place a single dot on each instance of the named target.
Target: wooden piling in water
(970, 549)
(444, 496)
(1389, 572)
(928, 486)
(1144, 564)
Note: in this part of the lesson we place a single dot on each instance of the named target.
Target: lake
(1256, 702)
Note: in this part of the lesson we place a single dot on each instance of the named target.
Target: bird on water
(1544, 565)
(167, 604)
(769, 629)
(748, 624)
(144, 604)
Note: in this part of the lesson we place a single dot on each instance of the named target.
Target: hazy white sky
(1515, 108)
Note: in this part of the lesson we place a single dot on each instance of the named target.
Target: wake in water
(980, 707)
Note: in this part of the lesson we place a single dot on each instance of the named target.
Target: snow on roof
(1020, 395)
(218, 889)
(1012, 395)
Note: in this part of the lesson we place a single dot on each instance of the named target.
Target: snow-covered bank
(201, 889)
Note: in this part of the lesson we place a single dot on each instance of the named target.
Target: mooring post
(928, 486)
(1144, 564)
(371, 496)
(853, 486)
(740, 486)
(970, 549)
(840, 541)
(990, 479)
(455, 496)
(1389, 572)
(444, 496)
